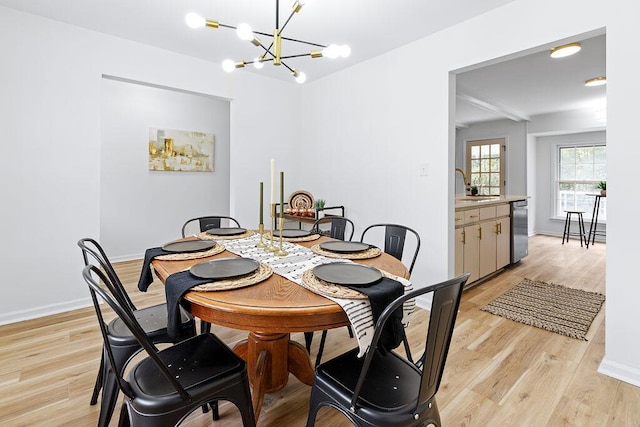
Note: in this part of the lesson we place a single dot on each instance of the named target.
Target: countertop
(471, 202)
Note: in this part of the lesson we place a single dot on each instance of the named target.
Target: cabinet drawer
(487, 213)
(459, 218)
(471, 215)
(503, 210)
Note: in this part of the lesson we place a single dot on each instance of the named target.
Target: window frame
(555, 184)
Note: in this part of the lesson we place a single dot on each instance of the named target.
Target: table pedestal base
(270, 358)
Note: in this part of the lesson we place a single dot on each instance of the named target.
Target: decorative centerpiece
(301, 204)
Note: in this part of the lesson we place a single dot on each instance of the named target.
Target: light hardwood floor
(498, 373)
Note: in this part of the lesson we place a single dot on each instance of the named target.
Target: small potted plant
(602, 185)
(474, 190)
(319, 205)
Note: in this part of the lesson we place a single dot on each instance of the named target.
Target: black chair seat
(341, 374)
(153, 320)
(200, 364)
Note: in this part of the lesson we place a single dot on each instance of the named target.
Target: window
(485, 163)
(580, 169)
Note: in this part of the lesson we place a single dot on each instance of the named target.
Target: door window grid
(580, 169)
(485, 162)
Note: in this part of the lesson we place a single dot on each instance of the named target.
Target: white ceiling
(533, 83)
(528, 85)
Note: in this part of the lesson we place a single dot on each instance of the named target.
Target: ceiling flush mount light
(565, 50)
(273, 51)
(596, 81)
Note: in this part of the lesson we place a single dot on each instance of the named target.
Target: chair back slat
(340, 226)
(394, 241)
(444, 309)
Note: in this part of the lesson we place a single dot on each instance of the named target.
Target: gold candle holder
(281, 252)
(271, 247)
(261, 244)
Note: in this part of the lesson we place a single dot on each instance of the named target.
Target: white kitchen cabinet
(482, 240)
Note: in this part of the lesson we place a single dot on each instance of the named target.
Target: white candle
(273, 180)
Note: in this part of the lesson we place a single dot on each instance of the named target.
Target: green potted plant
(474, 190)
(602, 185)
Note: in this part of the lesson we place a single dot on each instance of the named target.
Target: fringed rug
(555, 308)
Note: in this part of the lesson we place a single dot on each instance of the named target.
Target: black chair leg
(215, 410)
(321, 348)
(407, 349)
(308, 338)
(124, 416)
(205, 327)
(98, 385)
(109, 398)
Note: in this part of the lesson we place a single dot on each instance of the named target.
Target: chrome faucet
(464, 180)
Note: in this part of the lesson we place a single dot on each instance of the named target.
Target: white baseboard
(46, 310)
(625, 373)
(123, 258)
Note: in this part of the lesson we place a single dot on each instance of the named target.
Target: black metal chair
(394, 240)
(153, 321)
(204, 223)
(395, 236)
(164, 388)
(340, 227)
(383, 388)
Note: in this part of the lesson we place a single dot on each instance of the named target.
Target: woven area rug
(555, 308)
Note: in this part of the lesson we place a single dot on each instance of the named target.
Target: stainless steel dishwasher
(519, 231)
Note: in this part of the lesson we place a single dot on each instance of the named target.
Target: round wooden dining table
(270, 311)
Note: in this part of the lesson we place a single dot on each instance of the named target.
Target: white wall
(138, 206)
(378, 120)
(51, 83)
(545, 151)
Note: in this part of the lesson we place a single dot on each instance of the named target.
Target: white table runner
(297, 261)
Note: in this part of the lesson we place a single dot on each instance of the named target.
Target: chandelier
(272, 52)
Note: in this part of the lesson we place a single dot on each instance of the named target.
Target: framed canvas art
(180, 150)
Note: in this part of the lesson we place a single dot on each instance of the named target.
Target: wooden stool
(567, 227)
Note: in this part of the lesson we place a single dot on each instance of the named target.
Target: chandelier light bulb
(194, 20)
(245, 32)
(300, 76)
(258, 64)
(332, 51)
(228, 65)
(345, 51)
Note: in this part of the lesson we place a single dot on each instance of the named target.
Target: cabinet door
(487, 238)
(503, 243)
(471, 252)
(460, 240)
